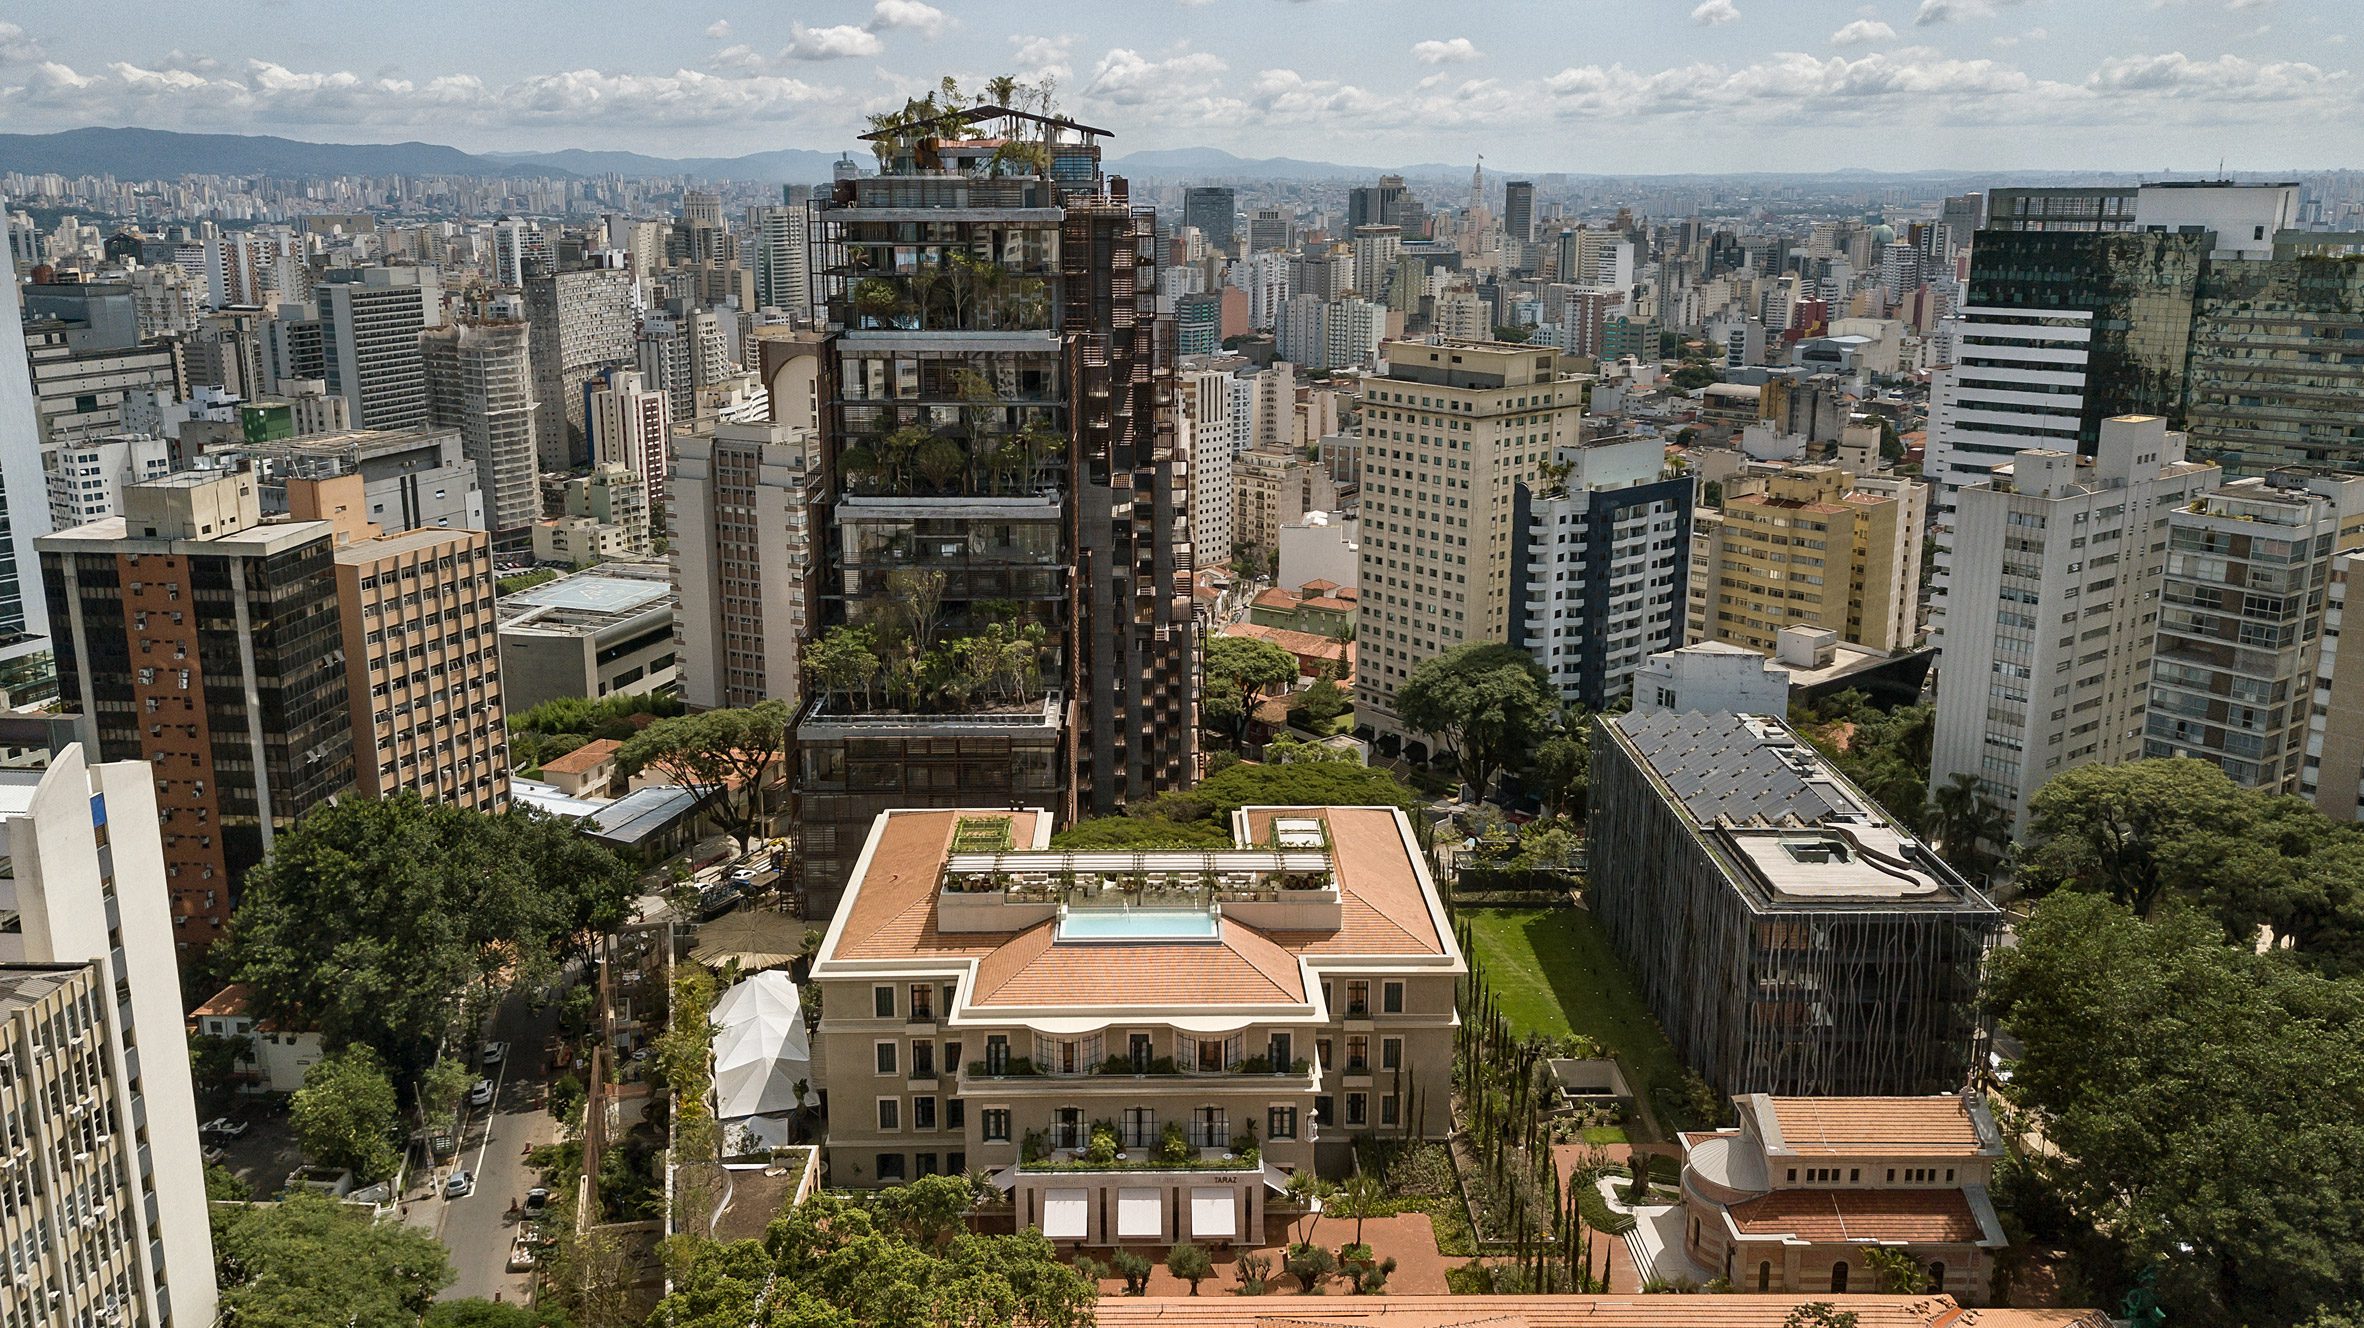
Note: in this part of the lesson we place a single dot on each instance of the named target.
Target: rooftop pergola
(1224, 871)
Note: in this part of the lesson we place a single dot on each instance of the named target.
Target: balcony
(1117, 1072)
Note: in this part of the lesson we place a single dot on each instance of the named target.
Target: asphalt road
(476, 1229)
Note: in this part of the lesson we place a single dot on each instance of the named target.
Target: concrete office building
(592, 634)
(1518, 210)
(86, 478)
(1451, 432)
(1788, 936)
(1292, 993)
(2071, 553)
(1604, 566)
(98, 1094)
(1712, 678)
(370, 322)
(195, 637)
(582, 324)
(1214, 210)
(419, 479)
(742, 554)
(1814, 550)
(421, 653)
(81, 394)
(1054, 494)
(480, 381)
(1377, 249)
(2241, 618)
(24, 506)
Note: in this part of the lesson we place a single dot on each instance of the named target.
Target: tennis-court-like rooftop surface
(592, 594)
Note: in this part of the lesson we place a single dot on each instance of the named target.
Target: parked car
(225, 1127)
(495, 1052)
(480, 1094)
(213, 1154)
(461, 1185)
(716, 900)
(536, 1199)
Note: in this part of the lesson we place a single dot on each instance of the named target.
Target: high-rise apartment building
(106, 1221)
(1376, 249)
(480, 381)
(86, 478)
(741, 544)
(1214, 441)
(1605, 567)
(1270, 231)
(2332, 774)
(1003, 461)
(1451, 432)
(628, 427)
(195, 637)
(2241, 620)
(2071, 553)
(1814, 550)
(24, 505)
(519, 249)
(2261, 389)
(1518, 210)
(582, 325)
(421, 652)
(370, 325)
(1214, 211)
(776, 234)
(1789, 936)
(1383, 204)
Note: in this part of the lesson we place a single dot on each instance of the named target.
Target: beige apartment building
(1138, 1046)
(1451, 430)
(1271, 488)
(1813, 549)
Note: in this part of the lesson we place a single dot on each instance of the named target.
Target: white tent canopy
(760, 1047)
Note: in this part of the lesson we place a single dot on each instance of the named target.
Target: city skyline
(1666, 87)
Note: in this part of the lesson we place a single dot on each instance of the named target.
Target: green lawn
(1554, 973)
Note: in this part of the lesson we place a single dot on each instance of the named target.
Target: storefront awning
(1066, 1214)
(1212, 1216)
(1140, 1214)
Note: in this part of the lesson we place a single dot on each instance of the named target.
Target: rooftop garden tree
(726, 758)
(1485, 702)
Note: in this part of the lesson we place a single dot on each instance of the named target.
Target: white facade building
(1711, 678)
(1606, 552)
(87, 476)
(1207, 414)
(1321, 546)
(2070, 553)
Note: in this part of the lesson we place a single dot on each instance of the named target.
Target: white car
(480, 1094)
(224, 1126)
(460, 1186)
(495, 1052)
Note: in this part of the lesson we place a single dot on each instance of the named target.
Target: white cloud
(16, 45)
(1457, 50)
(2227, 75)
(842, 42)
(1715, 13)
(924, 19)
(719, 29)
(1129, 78)
(1039, 58)
(1863, 30)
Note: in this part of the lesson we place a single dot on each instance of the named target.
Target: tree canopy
(344, 1115)
(2203, 1107)
(1484, 701)
(1128, 834)
(280, 1264)
(372, 917)
(1236, 671)
(1296, 784)
(2149, 832)
(727, 758)
(900, 1258)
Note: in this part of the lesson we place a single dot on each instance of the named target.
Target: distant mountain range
(149, 154)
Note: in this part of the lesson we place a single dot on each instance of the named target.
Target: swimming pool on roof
(1137, 924)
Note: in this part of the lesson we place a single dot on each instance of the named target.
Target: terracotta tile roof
(229, 1002)
(582, 759)
(1300, 644)
(1317, 587)
(1924, 1217)
(1240, 967)
(1384, 910)
(1881, 1126)
(893, 914)
(1566, 1312)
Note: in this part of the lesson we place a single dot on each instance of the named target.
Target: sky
(1622, 86)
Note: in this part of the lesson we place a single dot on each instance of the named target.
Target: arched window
(1764, 1277)
(1936, 1275)
(1838, 1276)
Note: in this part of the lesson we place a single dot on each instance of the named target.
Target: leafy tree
(837, 1262)
(1693, 375)
(1311, 1265)
(1484, 701)
(1562, 768)
(1819, 1314)
(223, 1186)
(344, 1115)
(1297, 784)
(492, 1314)
(2198, 1100)
(1235, 672)
(213, 1065)
(1134, 834)
(1134, 1269)
(1966, 822)
(372, 916)
(930, 1212)
(281, 1264)
(728, 758)
(1359, 1198)
(440, 1087)
(1893, 1271)
(843, 663)
(1191, 1263)
(1323, 702)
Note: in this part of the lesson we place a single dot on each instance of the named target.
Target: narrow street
(476, 1229)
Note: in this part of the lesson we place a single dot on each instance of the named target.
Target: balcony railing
(1125, 1067)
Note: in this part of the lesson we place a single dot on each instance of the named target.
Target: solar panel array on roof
(1725, 766)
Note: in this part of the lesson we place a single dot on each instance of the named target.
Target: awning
(1140, 1214)
(1211, 1215)
(1066, 1214)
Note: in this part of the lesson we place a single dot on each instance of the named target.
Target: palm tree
(1361, 1198)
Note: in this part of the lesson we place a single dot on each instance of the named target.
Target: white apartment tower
(108, 1223)
(87, 476)
(480, 380)
(1207, 414)
(777, 238)
(742, 556)
(24, 610)
(1451, 430)
(2071, 553)
(1606, 558)
(628, 426)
